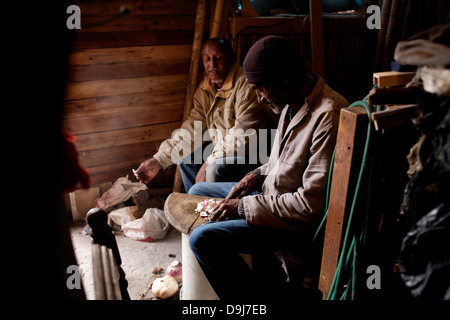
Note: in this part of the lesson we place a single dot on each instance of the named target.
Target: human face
(215, 63)
(275, 98)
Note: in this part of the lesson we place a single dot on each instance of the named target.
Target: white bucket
(195, 284)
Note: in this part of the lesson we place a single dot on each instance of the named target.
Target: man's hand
(148, 170)
(243, 187)
(227, 209)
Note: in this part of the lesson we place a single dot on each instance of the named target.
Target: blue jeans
(212, 189)
(229, 169)
(217, 245)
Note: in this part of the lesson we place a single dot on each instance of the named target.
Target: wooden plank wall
(126, 83)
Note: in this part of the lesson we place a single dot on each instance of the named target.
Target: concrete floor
(139, 259)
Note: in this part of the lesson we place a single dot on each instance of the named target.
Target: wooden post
(349, 143)
(193, 74)
(392, 78)
(388, 48)
(382, 34)
(218, 12)
(316, 31)
(195, 56)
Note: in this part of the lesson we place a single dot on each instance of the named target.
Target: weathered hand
(227, 209)
(148, 170)
(243, 187)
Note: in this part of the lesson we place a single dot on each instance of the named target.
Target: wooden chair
(179, 209)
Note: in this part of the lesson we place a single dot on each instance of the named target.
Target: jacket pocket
(289, 176)
(293, 157)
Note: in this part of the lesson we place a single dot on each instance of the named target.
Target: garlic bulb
(165, 287)
(205, 207)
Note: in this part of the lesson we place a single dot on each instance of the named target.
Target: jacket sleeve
(293, 210)
(183, 141)
(250, 116)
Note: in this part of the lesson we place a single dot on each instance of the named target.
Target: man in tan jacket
(225, 111)
(293, 183)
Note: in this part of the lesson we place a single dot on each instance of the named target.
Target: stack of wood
(399, 101)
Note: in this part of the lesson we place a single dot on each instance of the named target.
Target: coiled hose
(347, 258)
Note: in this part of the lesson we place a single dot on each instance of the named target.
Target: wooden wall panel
(113, 138)
(129, 54)
(126, 83)
(153, 7)
(92, 89)
(132, 38)
(142, 23)
(108, 104)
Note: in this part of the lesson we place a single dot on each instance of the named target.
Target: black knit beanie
(273, 59)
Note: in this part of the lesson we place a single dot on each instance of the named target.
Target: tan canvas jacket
(294, 188)
(226, 113)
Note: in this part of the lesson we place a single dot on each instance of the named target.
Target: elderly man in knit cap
(278, 205)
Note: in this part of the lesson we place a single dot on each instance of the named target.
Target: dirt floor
(139, 259)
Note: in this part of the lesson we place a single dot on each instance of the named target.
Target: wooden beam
(394, 116)
(193, 74)
(262, 24)
(195, 56)
(316, 26)
(349, 142)
(392, 78)
(386, 7)
(218, 12)
(393, 95)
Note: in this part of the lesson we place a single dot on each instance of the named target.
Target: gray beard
(276, 108)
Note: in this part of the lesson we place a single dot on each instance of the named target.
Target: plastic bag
(424, 257)
(121, 191)
(122, 216)
(152, 226)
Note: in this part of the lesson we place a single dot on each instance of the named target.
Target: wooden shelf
(276, 24)
(294, 24)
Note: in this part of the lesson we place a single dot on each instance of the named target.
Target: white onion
(175, 270)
